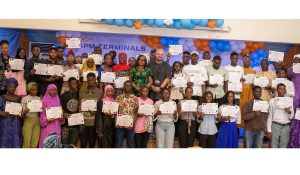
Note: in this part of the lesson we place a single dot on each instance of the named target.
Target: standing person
(218, 90)
(195, 69)
(121, 69)
(50, 99)
(128, 105)
(4, 52)
(3, 64)
(208, 129)
(113, 56)
(278, 123)
(266, 91)
(290, 90)
(186, 57)
(10, 125)
(165, 128)
(206, 59)
(97, 50)
(70, 105)
(78, 59)
(105, 122)
(106, 67)
(177, 93)
(31, 126)
(87, 131)
(227, 135)
(187, 126)
(30, 75)
(140, 75)
(152, 56)
(161, 75)
(60, 56)
(88, 65)
(70, 65)
(131, 62)
(142, 133)
(255, 121)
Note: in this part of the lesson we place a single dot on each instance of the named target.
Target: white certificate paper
(277, 81)
(167, 107)
(54, 112)
(119, 81)
(297, 114)
(229, 111)
(260, 105)
(146, 109)
(197, 80)
(79, 66)
(124, 121)
(55, 70)
(210, 108)
(234, 76)
(179, 82)
(76, 119)
(175, 49)
(284, 102)
(16, 64)
(73, 42)
(108, 77)
(296, 68)
(88, 105)
(71, 73)
(13, 108)
(216, 79)
(84, 74)
(189, 105)
(235, 87)
(35, 105)
(40, 69)
(249, 78)
(261, 81)
(97, 58)
(110, 107)
(276, 56)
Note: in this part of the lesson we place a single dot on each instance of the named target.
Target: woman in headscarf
(121, 69)
(51, 99)
(105, 122)
(10, 125)
(89, 65)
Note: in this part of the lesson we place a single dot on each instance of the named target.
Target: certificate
(88, 105)
(79, 66)
(296, 68)
(235, 87)
(216, 79)
(260, 105)
(249, 78)
(175, 49)
(40, 69)
(55, 70)
(97, 58)
(76, 119)
(71, 73)
(277, 81)
(167, 107)
(234, 76)
(146, 109)
(16, 64)
(35, 105)
(110, 107)
(54, 112)
(284, 102)
(261, 81)
(197, 90)
(108, 77)
(73, 42)
(297, 114)
(85, 72)
(189, 105)
(124, 121)
(197, 80)
(276, 56)
(13, 108)
(229, 111)
(119, 81)
(179, 82)
(210, 108)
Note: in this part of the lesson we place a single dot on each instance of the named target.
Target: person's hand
(56, 77)
(140, 115)
(172, 86)
(67, 115)
(257, 113)
(73, 146)
(50, 79)
(158, 113)
(201, 115)
(175, 114)
(270, 135)
(213, 85)
(237, 93)
(226, 118)
(190, 84)
(168, 56)
(268, 88)
(81, 128)
(26, 111)
(243, 80)
(4, 114)
(32, 72)
(8, 67)
(100, 135)
(51, 119)
(288, 110)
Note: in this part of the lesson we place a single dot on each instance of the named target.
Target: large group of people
(150, 82)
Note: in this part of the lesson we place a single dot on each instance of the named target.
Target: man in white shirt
(235, 75)
(186, 56)
(194, 71)
(282, 78)
(279, 120)
(205, 59)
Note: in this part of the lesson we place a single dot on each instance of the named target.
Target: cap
(195, 52)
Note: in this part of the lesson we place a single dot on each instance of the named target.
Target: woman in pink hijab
(51, 99)
(105, 121)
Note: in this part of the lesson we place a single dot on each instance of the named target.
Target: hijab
(49, 101)
(11, 81)
(106, 97)
(121, 67)
(85, 66)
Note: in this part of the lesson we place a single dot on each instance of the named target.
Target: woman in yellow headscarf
(88, 65)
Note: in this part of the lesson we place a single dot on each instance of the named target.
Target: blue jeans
(254, 139)
(120, 135)
(165, 132)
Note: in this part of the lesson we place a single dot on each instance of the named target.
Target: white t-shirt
(205, 63)
(235, 73)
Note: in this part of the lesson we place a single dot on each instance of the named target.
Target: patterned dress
(140, 78)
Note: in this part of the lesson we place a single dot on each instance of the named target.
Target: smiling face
(4, 48)
(230, 98)
(188, 93)
(127, 87)
(177, 67)
(216, 63)
(206, 56)
(281, 90)
(110, 92)
(22, 54)
(257, 93)
(70, 59)
(53, 92)
(264, 65)
(11, 88)
(52, 54)
(144, 92)
(159, 54)
(90, 63)
(186, 58)
(165, 95)
(194, 58)
(209, 98)
(122, 59)
(282, 74)
(246, 61)
(131, 62)
(234, 60)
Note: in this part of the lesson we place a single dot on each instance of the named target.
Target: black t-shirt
(70, 103)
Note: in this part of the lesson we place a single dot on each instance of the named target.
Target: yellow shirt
(266, 94)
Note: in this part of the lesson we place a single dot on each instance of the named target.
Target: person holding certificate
(128, 106)
(31, 125)
(49, 125)
(255, 121)
(266, 91)
(278, 123)
(105, 122)
(106, 67)
(10, 125)
(228, 136)
(206, 62)
(282, 74)
(165, 128)
(88, 65)
(208, 128)
(176, 92)
(187, 124)
(4, 57)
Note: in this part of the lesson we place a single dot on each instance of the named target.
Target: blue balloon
(58, 45)
(185, 22)
(150, 22)
(159, 22)
(196, 21)
(265, 54)
(254, 56)
(143, 21)
(192, 26)
(177, 25)
(214, 50)
(212, 44)
(260, 52)
(227, 47)
(203, 22)
(119, 22)
(109, 21)
(176, 40)
(219, 22)
(220, 46)
(163, 41)
(129, 22)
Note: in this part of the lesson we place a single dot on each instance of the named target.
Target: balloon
(129, 22)
(227, 47)
(137, 24)
(150, 22)
(211, 24)
(254, 56)
(242, 45)
(220, 46)
(159, 22)
(196, 21)
(203, 22)
(177, 25)
(185, 22)
(163, 41)
(249, 44)
(143, 21)
(119, 22)
(214, 50)
(191, 26)
(219, 22)
(109, 21)
(181, 42)
(57, 45)
(260, 52)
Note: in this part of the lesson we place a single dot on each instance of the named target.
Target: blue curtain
(13, 37)
(46, 36)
